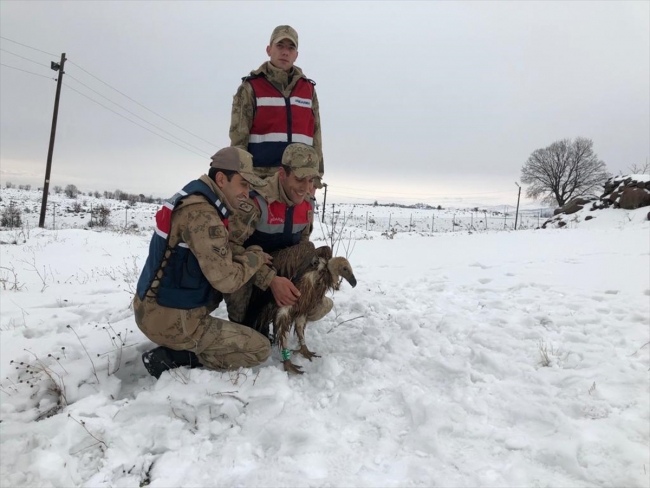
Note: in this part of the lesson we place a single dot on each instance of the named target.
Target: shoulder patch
(245, 206)
(221, 251)
(217, 232)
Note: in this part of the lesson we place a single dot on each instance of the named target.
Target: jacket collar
(273, 191)
(279, 77)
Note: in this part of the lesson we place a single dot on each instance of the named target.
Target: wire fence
(431, 221)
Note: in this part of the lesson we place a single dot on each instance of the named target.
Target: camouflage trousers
(219, 344)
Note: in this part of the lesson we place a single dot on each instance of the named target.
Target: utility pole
(46, 186)
(517, 212)
(324, 202)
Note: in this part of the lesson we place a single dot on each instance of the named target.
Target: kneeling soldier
(190, 265)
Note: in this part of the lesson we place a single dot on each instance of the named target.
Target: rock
(581, 200)
(634, 197)
(561, 223)
(589, 217)
(612, 198)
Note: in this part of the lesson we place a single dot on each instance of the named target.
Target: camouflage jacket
(243, 111)
(197, 223)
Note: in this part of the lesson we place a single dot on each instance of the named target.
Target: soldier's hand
(284, 292)
(268, 259)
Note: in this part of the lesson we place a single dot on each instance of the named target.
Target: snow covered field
(460, 359)
(68, 213)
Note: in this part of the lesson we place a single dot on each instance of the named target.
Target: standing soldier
(276, 105)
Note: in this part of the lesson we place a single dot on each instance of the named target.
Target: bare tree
(71, 191)
(640, 170)
(564, 170)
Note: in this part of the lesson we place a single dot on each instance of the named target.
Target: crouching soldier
(190, 265)
(281, 218)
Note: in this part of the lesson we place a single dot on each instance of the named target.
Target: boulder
(589, 217)
(634, 197)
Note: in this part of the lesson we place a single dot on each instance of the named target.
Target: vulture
(314, 272)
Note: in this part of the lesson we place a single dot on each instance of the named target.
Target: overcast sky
(420, 101)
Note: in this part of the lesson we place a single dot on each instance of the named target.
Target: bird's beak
(352, 280)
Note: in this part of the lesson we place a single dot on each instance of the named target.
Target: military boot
(162, 358)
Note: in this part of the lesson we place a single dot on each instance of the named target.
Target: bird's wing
(324, 252)
(294, 261)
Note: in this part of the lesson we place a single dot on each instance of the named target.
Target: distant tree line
(71, 191)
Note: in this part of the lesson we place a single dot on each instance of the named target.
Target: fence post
(504, 217)
(410, 222)
(486, 225)
(366, 221)
(389, 216)
(53, 216)
(433, 216)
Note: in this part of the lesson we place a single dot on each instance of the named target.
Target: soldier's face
(235, 190)
(283, 54)
(295, 188)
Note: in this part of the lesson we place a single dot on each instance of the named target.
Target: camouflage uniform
(243, 112)
(219, 344)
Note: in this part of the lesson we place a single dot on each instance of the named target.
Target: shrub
(11, 216)
(100, 216)
(71, 191)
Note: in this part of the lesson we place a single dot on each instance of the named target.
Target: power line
(145, 128)
(146, 108)
(23, 57)
(134, 114)
(30, 47)
(25, 71)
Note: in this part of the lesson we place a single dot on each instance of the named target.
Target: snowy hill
(464, 357)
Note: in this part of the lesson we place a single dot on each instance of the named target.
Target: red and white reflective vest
(279, 120)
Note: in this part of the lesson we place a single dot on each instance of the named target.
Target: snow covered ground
(69, 213)
(460, 359)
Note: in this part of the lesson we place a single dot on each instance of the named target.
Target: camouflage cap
(235, 159)
(302, 159)
(284, 32)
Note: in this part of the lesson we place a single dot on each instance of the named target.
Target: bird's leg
(301, 323)
(282, 325)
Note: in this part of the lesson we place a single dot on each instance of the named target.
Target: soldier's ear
(268, 51)
(220, 179)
